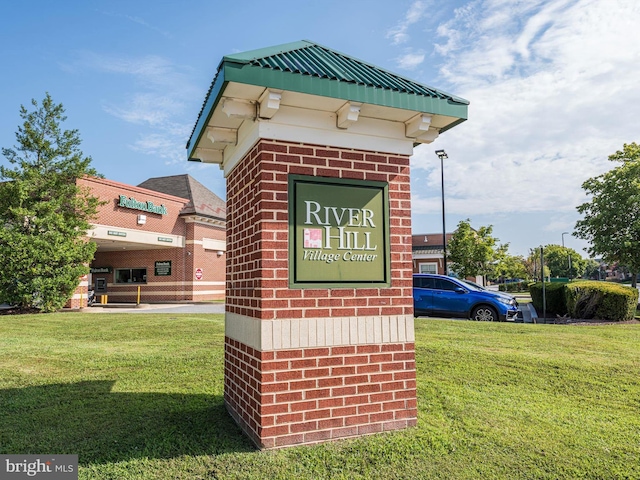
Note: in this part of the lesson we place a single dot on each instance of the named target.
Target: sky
(553, 85)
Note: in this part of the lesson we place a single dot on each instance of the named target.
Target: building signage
(198, 274)
(162, 268)
(165, 239)
(116, 233)
(148, 206)
(101, 269)
(338, 233)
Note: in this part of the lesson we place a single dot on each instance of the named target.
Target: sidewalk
(199, 307)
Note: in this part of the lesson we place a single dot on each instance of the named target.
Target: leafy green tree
(557, 259)
(592, 269)
(533, 265)
(44, 212)
(472, 251)
(611, 220)
(510, 266)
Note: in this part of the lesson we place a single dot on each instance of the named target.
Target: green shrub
(603, 300)
(554, 294)
(513, 287)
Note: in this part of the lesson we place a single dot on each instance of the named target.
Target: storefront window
(131, 275)
(428, 268)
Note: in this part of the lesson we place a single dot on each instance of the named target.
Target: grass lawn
(140, 396)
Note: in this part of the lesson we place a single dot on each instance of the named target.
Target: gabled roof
(309, 68)
(202, 201)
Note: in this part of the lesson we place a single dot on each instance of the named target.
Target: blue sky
(554, 88)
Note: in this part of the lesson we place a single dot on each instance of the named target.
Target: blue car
(442, 296)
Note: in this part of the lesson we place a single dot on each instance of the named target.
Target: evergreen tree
(44, 213)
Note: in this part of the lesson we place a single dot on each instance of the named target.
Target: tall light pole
(442, 155)
(568, 253)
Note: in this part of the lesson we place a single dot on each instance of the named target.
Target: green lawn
(140, 396)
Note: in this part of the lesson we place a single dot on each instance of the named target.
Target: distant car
(442, 296)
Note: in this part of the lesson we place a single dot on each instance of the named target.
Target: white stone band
(267, 335)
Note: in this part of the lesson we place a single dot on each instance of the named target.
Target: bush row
(587, 299)
(514, 287)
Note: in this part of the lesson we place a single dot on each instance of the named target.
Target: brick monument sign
(315, 147)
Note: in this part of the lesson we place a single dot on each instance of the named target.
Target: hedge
(554, 294)
(587, 299)
(608, 301)
(513, 287)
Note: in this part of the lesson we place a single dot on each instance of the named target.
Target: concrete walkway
(157, 308)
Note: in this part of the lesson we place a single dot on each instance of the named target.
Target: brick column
(309, 365)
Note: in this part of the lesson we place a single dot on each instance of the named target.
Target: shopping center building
(163, 240)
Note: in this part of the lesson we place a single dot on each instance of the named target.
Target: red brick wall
(181, 284)
(306, 395)
(257, 237)
(316, 394)
(213, 266)
(112, 214)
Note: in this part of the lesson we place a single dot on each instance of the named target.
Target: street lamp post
(442, 155)
(568, 254)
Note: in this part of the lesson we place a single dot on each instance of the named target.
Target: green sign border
(300, 180)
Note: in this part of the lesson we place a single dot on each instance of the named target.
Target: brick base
(303, 396)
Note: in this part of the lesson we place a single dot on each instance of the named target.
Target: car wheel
(484, 313)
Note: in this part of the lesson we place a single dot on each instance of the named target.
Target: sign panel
(198, 274)
(145, 206)
(338, 233)
(101, 269)
(162, 268)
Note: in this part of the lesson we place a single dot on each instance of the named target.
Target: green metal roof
(307, 67)
(307, 58)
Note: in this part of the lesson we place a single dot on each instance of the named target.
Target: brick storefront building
(164, 238)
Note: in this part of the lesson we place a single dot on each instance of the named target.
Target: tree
(557, 259)
(43, 211)
(472, 251)
(533, 265)
(510, 266)
(592, 269)
(611, 220)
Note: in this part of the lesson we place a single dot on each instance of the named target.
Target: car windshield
(473, 286)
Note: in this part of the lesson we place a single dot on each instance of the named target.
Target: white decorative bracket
(269, 103)
(428, 136)
(208, 155)
(348, 114)
(235, 108)
(418, 125)
(226, 136)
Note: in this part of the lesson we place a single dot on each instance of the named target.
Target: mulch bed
(583, 322)
(18, 311)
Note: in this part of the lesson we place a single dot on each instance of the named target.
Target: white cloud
(410, 61)
(553, 87)
(415, 13)
(139, 21)
(159, 95)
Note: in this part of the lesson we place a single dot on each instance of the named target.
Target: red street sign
(198, 274)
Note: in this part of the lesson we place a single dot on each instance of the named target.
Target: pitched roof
(307, 67)
(202, 201)
(307, 58)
